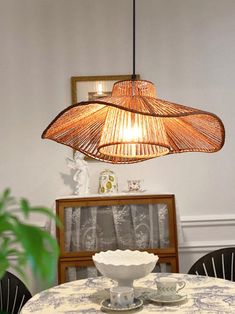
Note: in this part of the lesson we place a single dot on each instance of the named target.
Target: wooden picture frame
(85, 87)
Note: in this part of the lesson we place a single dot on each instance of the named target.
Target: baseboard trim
(207, 220)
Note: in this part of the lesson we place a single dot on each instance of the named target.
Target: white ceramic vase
(107, 182)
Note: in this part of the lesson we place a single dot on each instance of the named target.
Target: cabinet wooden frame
(168, 254)
(87, 262)
(74, 262)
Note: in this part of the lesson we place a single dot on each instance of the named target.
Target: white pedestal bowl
(125, 266)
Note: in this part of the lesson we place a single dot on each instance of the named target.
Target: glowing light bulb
(132, 134)
(99, 88)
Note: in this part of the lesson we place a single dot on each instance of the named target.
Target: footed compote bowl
(125, 266)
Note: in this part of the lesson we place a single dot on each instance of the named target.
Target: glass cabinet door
(130, 226)
(135, 222)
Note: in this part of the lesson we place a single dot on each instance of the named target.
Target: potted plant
(24, 244)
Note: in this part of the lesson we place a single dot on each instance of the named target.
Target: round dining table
(201, 295)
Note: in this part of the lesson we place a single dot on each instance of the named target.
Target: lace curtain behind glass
(139, 226)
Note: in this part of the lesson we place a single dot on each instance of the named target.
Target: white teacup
(121, 296)
(169, 286)
(134, 185)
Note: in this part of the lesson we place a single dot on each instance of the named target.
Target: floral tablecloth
(204, 295)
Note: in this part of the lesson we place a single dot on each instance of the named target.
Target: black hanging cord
(133, 74)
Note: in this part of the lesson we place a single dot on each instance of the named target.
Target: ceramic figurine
(81, 176)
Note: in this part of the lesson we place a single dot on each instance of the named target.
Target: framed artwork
(92, 87)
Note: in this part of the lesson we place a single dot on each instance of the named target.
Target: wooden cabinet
(93, 224)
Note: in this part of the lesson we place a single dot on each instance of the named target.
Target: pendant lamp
(133, 125)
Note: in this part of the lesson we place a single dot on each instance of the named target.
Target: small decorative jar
(108, 182)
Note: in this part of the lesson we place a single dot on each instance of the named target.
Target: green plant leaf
(28, 243)
(47, 212)
(6, 224)
(4, 264)
(6, 199)
(25, 207)
(20, 269)
(40, 249)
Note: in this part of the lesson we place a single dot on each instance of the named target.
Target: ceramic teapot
(107, 182)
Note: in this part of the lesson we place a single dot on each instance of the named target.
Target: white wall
(203, 234)
(186, 47)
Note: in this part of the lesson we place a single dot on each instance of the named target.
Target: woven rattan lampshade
(133, 125)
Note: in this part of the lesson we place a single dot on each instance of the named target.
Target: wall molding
(201, 234)
(204, 246)
(208, 226)
(207, 220)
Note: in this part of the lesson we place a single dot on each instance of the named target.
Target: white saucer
(108, 306)
(177, 298)
(134, 192)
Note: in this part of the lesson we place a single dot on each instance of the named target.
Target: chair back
(13, 294)
(219, 264)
